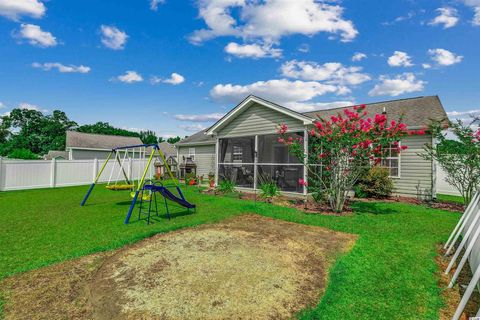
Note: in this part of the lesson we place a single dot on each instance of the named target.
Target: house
(56, 154)
(242, 145)
(170, 153)
(82, 146)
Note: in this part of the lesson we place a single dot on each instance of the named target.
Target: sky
(175, 67)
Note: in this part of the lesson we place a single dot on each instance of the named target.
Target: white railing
(464, 243)
(33, 174)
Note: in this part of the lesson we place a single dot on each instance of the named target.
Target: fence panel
(72, 173)
(32, 174)
(25, 174)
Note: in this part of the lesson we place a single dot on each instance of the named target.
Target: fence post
(53, 169)
(95, 168)
(1, 176)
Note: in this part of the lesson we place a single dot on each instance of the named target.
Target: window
(191, 153)
(237, 154)
(392, 162)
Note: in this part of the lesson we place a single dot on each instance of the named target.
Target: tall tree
(34, 131)
(148, 137)
(106, 128)
(174, 140)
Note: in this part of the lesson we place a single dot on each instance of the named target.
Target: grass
(450, 198)
(389, 274)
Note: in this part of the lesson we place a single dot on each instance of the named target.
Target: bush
(24, 154)
(376, 183)
(269, 190)
(226, 186)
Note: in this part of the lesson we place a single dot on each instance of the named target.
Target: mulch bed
(313, 207)
(452, 296)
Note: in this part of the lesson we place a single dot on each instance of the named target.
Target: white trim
(187, 144)
(247, 103)
(217, 143)
(305, 160)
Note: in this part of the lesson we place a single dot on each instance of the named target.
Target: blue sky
(176, 66)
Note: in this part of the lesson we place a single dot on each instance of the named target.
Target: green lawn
(449, 198)
(389, 274)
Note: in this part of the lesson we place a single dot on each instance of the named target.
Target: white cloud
(359, 56)
(475, 4)
(400, 84)
(304, 48)
(398, 19)
(14, 9)
(155, 3)
(199, 117)
(465, 116)
(129, 77)
(426, 66)
(271, 20)
(252, 50)
(306, 107)
(2, 105)
(331, 72)
(444, 57)
(113, 38)
(175, 79)
(400, 59)
(36, 36)
(447, 16)
(29, 106)
(282, 91)
(192, 127)
(61, 67)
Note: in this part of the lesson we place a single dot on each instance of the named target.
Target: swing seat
(145, 197)
(120, 187)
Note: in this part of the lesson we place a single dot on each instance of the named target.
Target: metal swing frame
(156, 151)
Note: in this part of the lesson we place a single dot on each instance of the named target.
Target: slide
(170, 196)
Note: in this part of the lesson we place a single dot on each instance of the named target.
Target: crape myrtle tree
(458, 157)
(342, 148)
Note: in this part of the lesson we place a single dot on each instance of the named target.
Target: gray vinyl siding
(89, 154)
(258, 119)
(204, 158)
(413, 168)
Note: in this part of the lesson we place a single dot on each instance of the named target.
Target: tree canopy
(27, 134)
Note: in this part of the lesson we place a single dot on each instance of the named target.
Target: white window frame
(191, 153)
(398, 158)
(237, 153)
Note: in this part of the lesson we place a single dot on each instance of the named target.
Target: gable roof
(83, 140)
(167, 149)
(198, 138)
(53, 154)
(247, 102)
(417, 112)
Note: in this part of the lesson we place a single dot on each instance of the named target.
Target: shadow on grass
(373, 208)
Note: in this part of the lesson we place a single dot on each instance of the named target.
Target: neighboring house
(243, 145)
(56, 154)
(82, 146)
(196, 154)
(170, 153)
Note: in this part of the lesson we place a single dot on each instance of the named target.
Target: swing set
(142, 189)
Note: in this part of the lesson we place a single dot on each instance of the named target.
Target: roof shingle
(98, 141)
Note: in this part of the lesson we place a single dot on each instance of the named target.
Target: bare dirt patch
(249, 267)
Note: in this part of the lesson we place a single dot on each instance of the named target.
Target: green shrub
(24, 154)
(376, 183)
(189, 176)
(269, 190)
(226, 186)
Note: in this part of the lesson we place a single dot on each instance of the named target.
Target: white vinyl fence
(464, 244)
(33, 174)
(443, 187)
